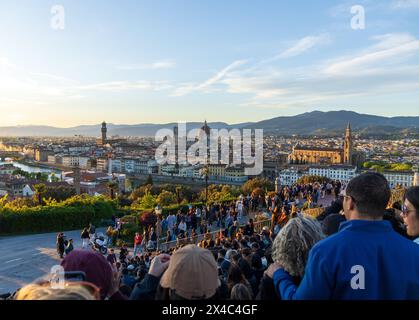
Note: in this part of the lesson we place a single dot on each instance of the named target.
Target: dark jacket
(85, 234)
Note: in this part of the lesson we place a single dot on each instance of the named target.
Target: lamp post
(158, 211)
(205, 174)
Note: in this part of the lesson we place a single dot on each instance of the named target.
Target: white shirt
(182, 226)
(171, 221)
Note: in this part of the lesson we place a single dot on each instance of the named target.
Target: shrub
(74, 213)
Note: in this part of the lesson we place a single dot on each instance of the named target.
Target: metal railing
(165, 246)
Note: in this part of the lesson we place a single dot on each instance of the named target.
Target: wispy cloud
(49, 76)
(390, 48)
(380, 69)
(118, 86)
(303, 45)
(189, 88)
(163, 64)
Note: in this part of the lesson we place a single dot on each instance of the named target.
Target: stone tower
(104, 133)
(347, 146)
(77, 178)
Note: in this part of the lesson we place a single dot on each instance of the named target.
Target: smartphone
(75, 276)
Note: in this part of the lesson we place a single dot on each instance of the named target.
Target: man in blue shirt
(365, 260)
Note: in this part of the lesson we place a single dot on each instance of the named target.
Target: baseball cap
(192, 273)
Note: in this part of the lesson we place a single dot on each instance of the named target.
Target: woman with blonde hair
(71, 291)
(290, 249)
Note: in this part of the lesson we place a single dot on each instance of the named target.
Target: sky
(159, 61)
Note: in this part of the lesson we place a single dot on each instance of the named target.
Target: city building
(338, 172)
(102, 164)
(290, 176)
(12, 186)
(41, 154)
(400, 178)
(323, 155)
(75, 161)
(7, 168)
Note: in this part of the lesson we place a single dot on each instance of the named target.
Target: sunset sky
(137, 61)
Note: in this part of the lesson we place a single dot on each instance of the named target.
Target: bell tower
(104, 133)
(347, 146)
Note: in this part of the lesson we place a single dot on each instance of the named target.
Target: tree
(312, 179)
(166, 198)
(40, 190)
(252, 184)
(60, 193)
(148, 201)
(149, 180)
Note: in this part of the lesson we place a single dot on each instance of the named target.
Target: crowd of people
(358, 248)
(228, 216)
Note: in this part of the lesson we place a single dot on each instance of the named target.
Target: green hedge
(57, 217)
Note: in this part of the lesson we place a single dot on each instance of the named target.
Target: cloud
(164, 64)
(50, 77)
(382, 68)
(304, 45)
(403, 4)
(390, 49)
(191, 87)
(118, 86)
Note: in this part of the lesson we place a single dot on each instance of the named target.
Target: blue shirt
(365, 260)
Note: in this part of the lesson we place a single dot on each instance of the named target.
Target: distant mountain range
(310, 123)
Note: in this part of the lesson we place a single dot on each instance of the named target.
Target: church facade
(319, 155)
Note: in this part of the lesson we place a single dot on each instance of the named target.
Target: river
(34, 169)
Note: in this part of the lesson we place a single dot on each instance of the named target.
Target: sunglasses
(406, 211)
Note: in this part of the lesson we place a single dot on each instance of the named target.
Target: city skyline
(161, 62)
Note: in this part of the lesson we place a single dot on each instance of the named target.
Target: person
(249, 230)
(153, 240)
(85, 238)
(123, 253)
(111, 257)
(127, 276)
(137, 243)
(236, 276)
(330, 224)
(182, 227)
(92, 231)
(98, 271)
(60, 244)
(189, 274)
(171, 221)
(241, 292)
(69, 247)
(365, 260)
(71, 291)
(109, 235)
(290, 249)
(410, 213)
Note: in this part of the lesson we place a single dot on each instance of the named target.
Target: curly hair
(293, 243)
